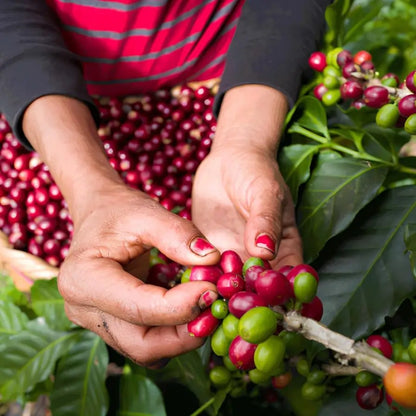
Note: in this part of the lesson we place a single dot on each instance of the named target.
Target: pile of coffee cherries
(353, 79)
(154, 141)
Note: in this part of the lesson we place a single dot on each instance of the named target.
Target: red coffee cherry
(319, 91)
(382, 344)
(317, 61)
(243, 301)
(229, 284)
(375, 96)
(411, 81)
(362, 56)
(241, 354)
(314, 309)
(407, 105)
(351, 90)
(369, 397)
(273, 287)
(203, 325)
(344, 57)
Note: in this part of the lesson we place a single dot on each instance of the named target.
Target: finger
(102, 283)
(264, 223)
(146, 346)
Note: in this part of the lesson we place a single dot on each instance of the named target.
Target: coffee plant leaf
(410, 242)
(342, 402)
(12, 321)
(337, 190)
(9, 292)
(48, 302)
(365, 272)
(188, 370)
(334, 15)
(405, 412)
(295, 163)
(79, 387)
(29, 357)
(312, 116)
(384, 143)
(140, 396)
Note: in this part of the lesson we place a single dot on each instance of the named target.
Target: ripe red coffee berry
(251, 275)
(231, 262)
(362, 56)
(229, 284)
(382, 344)
(407, 105)
(205, 273)
(273, 287)
(301, 268)
(376, 96)
(203, 325)
(369, 397)
(400, 383)
(411, 81)
(344, 57)
(314, 309)
(349, 69)
(241, 354)
(317, 61)
(319, 91)
(351, 90)
(243, 301)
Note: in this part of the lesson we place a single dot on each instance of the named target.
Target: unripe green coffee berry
(410, 124)
(219, 309)
(387, 115)
(302, 367)
(220, 376)
(305, 287)
(331, 97)
(365, 378)
(311, 391)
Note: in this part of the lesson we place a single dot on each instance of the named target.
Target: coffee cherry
(219, 342)
(219, 309)
(281, 381)
(241, 354)
(331, 97)
(305, 287)
(317, 61)
(387, 116)
(269, 355)
(229, 284)
(243, 301)
(313, 309)
(400, 384)
(351, 90)
(230, 326)
(316, 377)
(302, 367)
(205, 273)
(410, 124)
(407, 105)
(231, 262)
(332, 56)
(369, 397)
(411, 349)
(258, 377)
(365, 378)
(220, 376)
(344, 57)
(313, 392)
(381, 343)
(273, 287)
(411, 81)
(203, 325)
(254, 261)
(257, 324)
(362, 56)
(375, 96)
(390, 80)
(350, 69)
(319, 91)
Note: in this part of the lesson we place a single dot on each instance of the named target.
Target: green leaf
(410, 241)
(334, 16)
(365, 272)
(80, 379)
(29, 357)
(295, 162)
(312, 116)
(48, 302)
(140, 396)
(9, 292)
(12, 321)
(338, 189)
(188, 370)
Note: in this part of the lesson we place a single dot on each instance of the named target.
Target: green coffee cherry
(387, 115)
(331, 97)
(220, 376)
(365, 378)
(410, 124)
(219, 309)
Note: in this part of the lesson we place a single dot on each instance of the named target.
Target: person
(240, 200)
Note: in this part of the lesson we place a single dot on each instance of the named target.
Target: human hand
(143, 322)
(238, 195)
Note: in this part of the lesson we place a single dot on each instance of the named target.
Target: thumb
(264, 225)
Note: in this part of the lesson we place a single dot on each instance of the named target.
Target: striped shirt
(134, 46)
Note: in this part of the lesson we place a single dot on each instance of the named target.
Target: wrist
(253, 116)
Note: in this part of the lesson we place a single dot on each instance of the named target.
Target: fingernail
(201, 247)
(265, 241)
(207, 299)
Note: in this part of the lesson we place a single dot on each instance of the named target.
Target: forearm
(251, 115)
(63, 132)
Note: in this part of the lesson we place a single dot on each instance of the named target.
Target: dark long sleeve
(34, 60)
(272, 44)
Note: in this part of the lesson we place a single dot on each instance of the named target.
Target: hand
(143, 322)
(239, 194)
